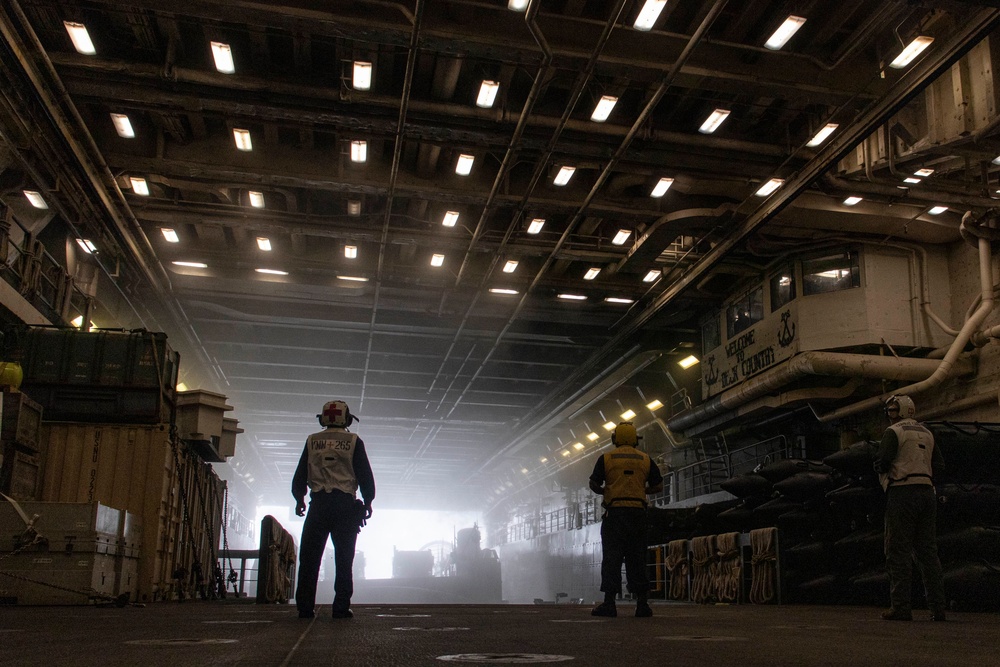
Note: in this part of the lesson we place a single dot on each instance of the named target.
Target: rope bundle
(764, 542)
(729, 567)
(679, 569)
(705, 562)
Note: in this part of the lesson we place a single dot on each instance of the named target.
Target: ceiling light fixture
(354, 279)
(510, 266)
(784, 32)
(524, 470)
(565, 173)
(359, 150)
(80, 37)
(272, 272)
(242, 138)
(661, 187)
(123, 126)
(362, 79)
(577, 446)
(256, 199)
(87, 245)
(714, 120)
(621, 237)
(618, 299)
(603, 108)
(770, 187)
(565, 452)
(223, 56)
(592, 436)
(851, 201)
(437, 260)
(609, 426)
(35, 199)
(912, 50)
(536, 225)
(923, 173)
(628, 414)
(353, 207)
(911, 180)
(502, 290)
(264, 243)
(139, 185)
(648, 14)
(518, 6)
(938, 210)
(654, 405)
(688, 361)
(350, 251)
(572, 297)
(450, 218)
(487, 94)
(592, 273)
(464, 165)
(544, 459)
(651, 276)
(823, 134)
(170, 235)
(996, 160)
(192, 265)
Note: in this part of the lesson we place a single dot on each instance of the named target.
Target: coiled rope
(679, 569)
(727, 583)
(764, 542)
(703, 561)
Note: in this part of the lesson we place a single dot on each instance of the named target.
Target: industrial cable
(729, 567)
(679, 569)
(703, 561)
(764, 563)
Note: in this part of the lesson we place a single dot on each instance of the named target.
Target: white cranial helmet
(336, 413)
(904, 404)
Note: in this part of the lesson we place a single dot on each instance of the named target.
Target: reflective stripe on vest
(331, 461)
(912, 464)
(626, 470)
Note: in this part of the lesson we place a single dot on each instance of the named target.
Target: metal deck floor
(243, 633)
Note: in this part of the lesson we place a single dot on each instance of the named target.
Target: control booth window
(745, 312)
(710, 335)
(830, 273)
(782, 288)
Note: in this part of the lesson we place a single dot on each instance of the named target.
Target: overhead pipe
(836, 364)
(929, 195)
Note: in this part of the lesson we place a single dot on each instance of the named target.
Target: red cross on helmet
(336, 413)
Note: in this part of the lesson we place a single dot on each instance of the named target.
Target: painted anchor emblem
(786, 334)
(713, 373)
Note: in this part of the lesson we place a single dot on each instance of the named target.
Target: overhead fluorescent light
(609, 426)
(912, 50)
(714, 120)
(272, 272)
(170, 235)
(354, 279)
(264, 243)
(464, 165)
(648, 14)
(256, 199)
(784, 32)
(572, 297)
(517, 6)
(911, 180)
(655, 404)
(502, 290)
(537, 224)
(823, 134)
(938, 210)
(770, 187)
(35, 199)
(565, 173)
(87, 245)
(524, 470)
(350, 251)
(487, 94)
(437, 260)
(450, 218)
(139, 185)
(628, 414)
(603, 108)
(353, 207)
(544, 459)
(661, 187)
(996, 160)
(591, 273)
(359, 151)
(362, 79)
(565, 452)
(123, 126)
(688, 362)
(77, 321)
(80, 37)
(510, 266)
(577, 446)
(223, 56)
(851, 201)
(618, 299)
(923, 173)
(242, 138)
(592, 436)
(651, 276)
(621, 237)
(193, 265)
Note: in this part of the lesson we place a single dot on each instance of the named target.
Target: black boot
(642, 609)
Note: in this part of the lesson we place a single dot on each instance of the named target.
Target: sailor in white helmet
(333, 467)
(907, 461)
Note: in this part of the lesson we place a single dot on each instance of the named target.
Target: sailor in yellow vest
(624, 477)
(907, 461)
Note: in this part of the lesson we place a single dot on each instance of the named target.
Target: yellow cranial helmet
(624, 434)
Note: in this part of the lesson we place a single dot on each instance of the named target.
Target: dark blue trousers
(623, 538)
(331, 515)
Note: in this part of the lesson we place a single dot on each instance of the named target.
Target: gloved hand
(300, 507)
(368, 511)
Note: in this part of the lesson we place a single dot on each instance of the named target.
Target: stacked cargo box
(19, 442)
